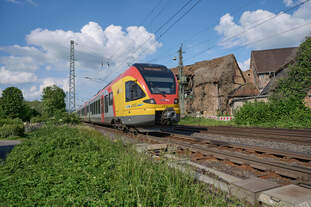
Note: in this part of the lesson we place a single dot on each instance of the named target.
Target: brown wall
(205, 100)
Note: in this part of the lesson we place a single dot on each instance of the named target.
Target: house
(266, 64)
(267, 67)
(210, 84)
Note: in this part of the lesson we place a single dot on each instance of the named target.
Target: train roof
(139, 66)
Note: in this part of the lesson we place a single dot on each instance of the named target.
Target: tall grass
(73, 167)
(204, 122)
(11, 127)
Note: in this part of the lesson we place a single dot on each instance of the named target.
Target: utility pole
(182, 82)
(72, 75)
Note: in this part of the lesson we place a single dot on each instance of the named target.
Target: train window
(106, 103)
(159, 81)
(98, 107)
(102, 104)
(95, 107)
(133, 91)
(110, 99)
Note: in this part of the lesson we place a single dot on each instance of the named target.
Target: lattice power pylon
(72, 75)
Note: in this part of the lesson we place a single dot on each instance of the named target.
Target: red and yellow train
(144, 95)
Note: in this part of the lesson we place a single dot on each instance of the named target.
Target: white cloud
(95, 45)
(35, 92)
(8, 77)
(14, 63)
(48, 51)
(26, 1)
(288, 2)
(13, 1)
(270, 34)
(245, 65)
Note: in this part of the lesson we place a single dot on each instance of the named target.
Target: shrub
(58, 118)
(38, 119)
(64, 166)
(287, 113)
(11, 127)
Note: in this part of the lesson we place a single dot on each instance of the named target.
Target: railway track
(268, 134)
(284, 167)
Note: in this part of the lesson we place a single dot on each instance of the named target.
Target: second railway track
(302, 136)
(285, 167)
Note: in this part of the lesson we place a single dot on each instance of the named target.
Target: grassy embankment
(204, 122)
(65, 166)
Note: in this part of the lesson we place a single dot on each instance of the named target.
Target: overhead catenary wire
(193, 36)
(267, 38)
(159, 28)
(171, 25)
(149, 14)
(251, 28)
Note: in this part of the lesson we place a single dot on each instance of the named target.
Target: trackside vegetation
(14, 111)
(285, 108)
(204, 122)
(66, 166)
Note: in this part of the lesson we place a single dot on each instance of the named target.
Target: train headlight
(150, 101)
(176, 101)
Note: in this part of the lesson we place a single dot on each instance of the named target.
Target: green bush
(38, 119)
(283, 113)
(64, 166)
(11, 127)
(58, 118)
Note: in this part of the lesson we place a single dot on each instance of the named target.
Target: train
(144, 95)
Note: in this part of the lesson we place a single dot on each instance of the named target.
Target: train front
(163, 93)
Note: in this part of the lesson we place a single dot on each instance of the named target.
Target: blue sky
(112, 34)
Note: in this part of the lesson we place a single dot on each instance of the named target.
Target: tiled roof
(271, 60)
(189, 69)
(246, 90)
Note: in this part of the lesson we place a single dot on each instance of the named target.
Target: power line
(254, 26)
(174, 23)
(162, 9)
(267, 38)
(149, 14)
(204, 29)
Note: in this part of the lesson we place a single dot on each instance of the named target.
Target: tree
(53, 100)
(297, 84)
(12, 103)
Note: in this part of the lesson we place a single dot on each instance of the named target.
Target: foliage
(29, 113)
(204, 122)
(36, 105)
(53, 100)
(285, 107)
(58, 118)
(11, 127)
(12, 102)
(61, 117)
(70, 167)
(298, 82)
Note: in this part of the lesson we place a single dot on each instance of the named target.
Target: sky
(111, 35)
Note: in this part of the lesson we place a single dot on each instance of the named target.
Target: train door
(102, 108)
(108, 107)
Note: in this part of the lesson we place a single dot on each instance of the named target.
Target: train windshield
(159, 80)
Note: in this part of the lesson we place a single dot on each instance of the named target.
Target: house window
(133, 91)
